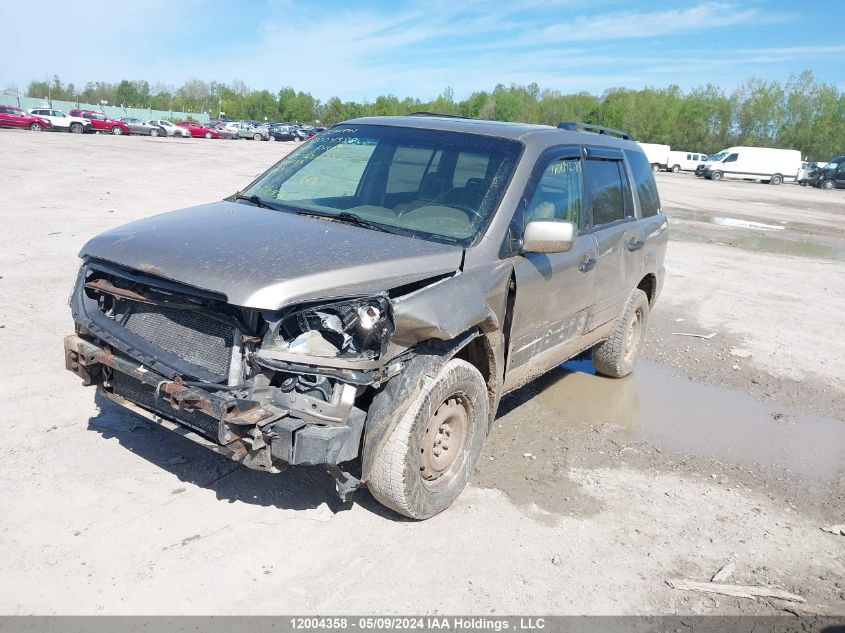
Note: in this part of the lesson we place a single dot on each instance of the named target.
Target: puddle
(754, 235)
(682, 416)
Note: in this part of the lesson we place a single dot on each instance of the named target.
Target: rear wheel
(717, 175)
(655, 167)
(76, 128)
(676, 169)
(618, 354)
(116, 130)
(36, 127)
(427, 460)
(776, 179)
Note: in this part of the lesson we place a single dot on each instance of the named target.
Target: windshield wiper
(351, 218)
(257, 201)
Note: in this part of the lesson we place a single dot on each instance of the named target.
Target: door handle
(635, 245)
(587, 264)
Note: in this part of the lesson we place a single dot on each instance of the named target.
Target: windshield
(830, 166)
(431, 184)
(717, 157)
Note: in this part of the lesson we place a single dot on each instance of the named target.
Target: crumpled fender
(450, 307)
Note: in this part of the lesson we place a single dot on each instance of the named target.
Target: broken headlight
(358, 328)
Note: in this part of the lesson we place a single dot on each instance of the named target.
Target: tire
(617, 356)
(776, 179)
(116, 130)
(36, 127)
(716, 175)
(828, 185)
(420, 485)
(256, 137)
(655, 167)
(207, 135)
(271, 138)
(676, 169)
(154, 132)
(76, 128)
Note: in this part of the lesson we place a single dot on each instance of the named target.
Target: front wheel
(208, 135)
(427, 460)
(776, 179)
(618, 354)
(36, 127)
(154, 132)
(116, 130)
(676, 169)
(828, 184)
(256, 137)
(717, 175)
(76, 128)
(655, 167)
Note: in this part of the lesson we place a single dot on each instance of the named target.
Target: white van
(764, 164)
(657, 155)
(684, 161)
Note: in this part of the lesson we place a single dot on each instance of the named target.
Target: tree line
(801, 113)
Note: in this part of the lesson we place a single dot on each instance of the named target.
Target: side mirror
(549, 236)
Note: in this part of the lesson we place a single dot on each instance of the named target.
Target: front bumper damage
(262, 436)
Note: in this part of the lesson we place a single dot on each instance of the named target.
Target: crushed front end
(265, 389)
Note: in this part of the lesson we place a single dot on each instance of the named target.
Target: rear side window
(644, 181)
(409, 166)
(606, 184)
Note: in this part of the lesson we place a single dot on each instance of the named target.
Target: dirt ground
(590, 494)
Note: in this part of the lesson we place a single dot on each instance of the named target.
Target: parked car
(145, 128)
(285, 133)
(365, 303)
(684, 161)
(220, 128)
(831, 176)
(763, 164)
(11, 116)
(171, 129)
(198, 130)
(100, 122)
(248, 130)
(62, 121)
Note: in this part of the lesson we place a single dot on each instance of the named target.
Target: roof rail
(574, 126)
(439, 114)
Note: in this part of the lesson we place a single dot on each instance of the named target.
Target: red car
(100, 122)
(198, 130)
(15, 117)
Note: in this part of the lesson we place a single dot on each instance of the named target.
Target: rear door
(619, 238)
(554, 291)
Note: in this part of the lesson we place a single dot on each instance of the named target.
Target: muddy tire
(427, 460)
(617, 356)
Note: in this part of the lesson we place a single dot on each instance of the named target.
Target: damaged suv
(365, 303)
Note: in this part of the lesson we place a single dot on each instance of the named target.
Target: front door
(618, 236)
(553, 290)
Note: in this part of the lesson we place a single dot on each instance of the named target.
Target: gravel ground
(589, 495)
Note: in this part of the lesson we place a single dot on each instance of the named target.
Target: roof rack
(439, 114)
(574, 126)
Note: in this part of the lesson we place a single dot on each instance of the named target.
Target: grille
(191, 336)
(144, 395)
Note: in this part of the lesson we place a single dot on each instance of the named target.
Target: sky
(358, 49)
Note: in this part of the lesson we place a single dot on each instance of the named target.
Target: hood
(265, 259)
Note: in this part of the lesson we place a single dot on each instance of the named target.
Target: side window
(470, 165)
(408, 167)
(644, 182)
(558, 195)
(732, 158)
(606, 184)
(691, 157)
